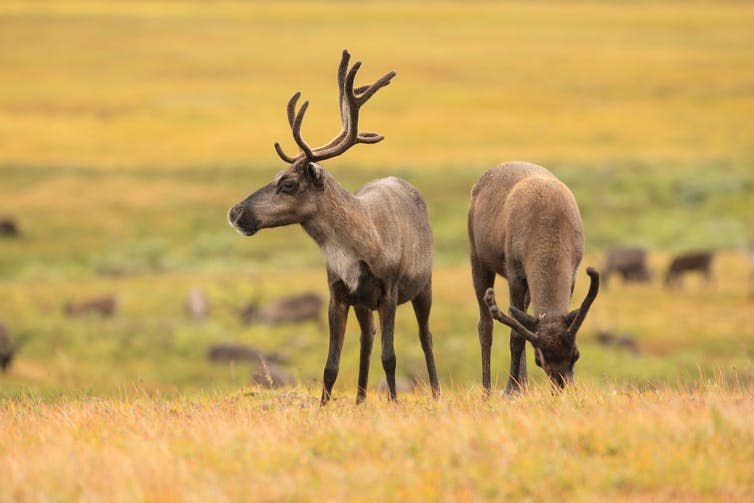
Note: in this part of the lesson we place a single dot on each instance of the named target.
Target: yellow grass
(128, 408)
(191, 83)
(587, 445)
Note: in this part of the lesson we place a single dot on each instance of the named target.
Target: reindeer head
(293, 196)
(553, 337)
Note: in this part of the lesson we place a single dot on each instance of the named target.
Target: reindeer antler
(594, 287)
(489, 298)
(351, 100)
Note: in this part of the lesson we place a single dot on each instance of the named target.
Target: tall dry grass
(589, 444)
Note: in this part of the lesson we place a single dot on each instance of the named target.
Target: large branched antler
(351, 100)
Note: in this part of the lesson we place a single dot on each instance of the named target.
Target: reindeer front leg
(337, 315)
(366, 322)
(518, 380)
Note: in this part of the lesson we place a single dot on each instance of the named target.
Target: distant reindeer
(524, 225)
(6, 349)
(377, 242)
(105, 305)
(269, 375)
(689, 262)
(196, 305)
(628, 261)
(294, 309)
(233, 352)
(9, 228)
(611, 339)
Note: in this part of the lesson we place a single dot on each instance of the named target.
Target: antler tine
(291, 109)
(296, 129)
(342, 70)
(594, 287)
(495, 312)
(379, 84)
(292, 117)
(285, 157)
(369, 137)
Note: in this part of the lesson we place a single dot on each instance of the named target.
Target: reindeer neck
(344, 232)
(550, 288)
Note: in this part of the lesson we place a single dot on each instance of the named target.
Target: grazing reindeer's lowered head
(377, 242)
(553, 337)
(524, 225)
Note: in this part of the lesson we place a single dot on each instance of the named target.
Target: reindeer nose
(234, 215)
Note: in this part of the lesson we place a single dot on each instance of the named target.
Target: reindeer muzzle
(243, 220)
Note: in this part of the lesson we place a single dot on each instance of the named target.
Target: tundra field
(128, 129)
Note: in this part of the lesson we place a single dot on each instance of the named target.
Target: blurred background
(127, 130)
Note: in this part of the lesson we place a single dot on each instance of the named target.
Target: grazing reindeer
(377, 242)
(9, 228)
(688, 262)
(296, 308)
(105, 306)
(630, 262)
(524, 225)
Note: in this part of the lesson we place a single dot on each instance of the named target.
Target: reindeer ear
(525, 319)
(316, 174)
(571, 316)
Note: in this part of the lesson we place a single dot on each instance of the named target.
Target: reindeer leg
(387, 325)
(518, 379)
(422, 305)
(483, 279)
(337, 314)
(366, 322)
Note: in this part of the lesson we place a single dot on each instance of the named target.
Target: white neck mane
(343, 262)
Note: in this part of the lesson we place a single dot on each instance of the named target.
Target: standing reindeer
(689, 262)
(524, 224)
(377, 242)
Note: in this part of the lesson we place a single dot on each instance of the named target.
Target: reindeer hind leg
(483, 279)
(422, 305)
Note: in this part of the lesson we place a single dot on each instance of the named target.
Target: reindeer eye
(576, 356)
(287, 186)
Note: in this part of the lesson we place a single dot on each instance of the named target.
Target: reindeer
(524, 224)
(105, 306)
(7, 349)
(293, 309)
(688, 262)
(9, 228)
(628, 261)
(377, 242)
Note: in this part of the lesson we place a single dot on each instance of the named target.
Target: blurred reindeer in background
(700, 262)
(293, 309)
(630, 262)
(105, 305)
(6, 349)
